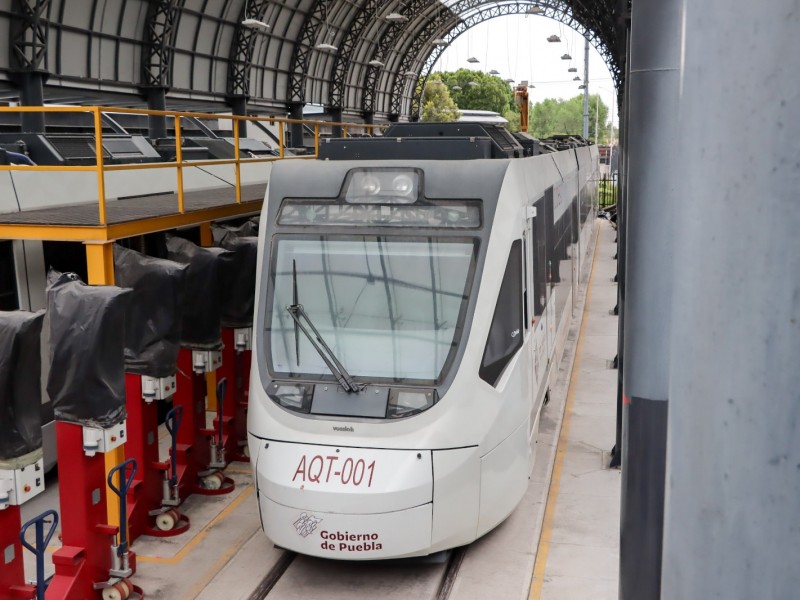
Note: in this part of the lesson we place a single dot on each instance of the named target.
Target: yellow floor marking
(218, 566)
(201, 535)
(555, 481)
(238, 470)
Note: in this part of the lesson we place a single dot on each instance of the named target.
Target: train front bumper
(346, 503)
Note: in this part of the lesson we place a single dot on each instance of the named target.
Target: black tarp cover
(247, 229)
(20, 383)
(153, 321)
(238, 297)
(87, 359)
(200, 322)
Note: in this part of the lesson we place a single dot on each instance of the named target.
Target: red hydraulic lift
(237, 333)
(198, 462)
(21, 465)
(152, 342)
(86, 385)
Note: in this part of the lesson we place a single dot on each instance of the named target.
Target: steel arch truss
(28, 35)
(241, 55)
(469, 13)
(159, 40)
(413, 10)
(341, 65)
(298, 70)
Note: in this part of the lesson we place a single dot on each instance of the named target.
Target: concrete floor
(578, 553)
(561, 543)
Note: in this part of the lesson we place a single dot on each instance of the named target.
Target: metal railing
(179, 164)
(607, 190)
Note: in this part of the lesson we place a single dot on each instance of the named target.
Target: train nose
(346, 503)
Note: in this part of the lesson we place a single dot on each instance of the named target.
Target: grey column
(238, 106)
(31, 93)
(157, 100)
(336, 116)
(296, 129)
(732, 519)
(622, 203)
(653, 88)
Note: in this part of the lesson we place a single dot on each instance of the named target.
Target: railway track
(445, 578)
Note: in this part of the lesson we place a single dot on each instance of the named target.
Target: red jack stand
(85, 563)
(12, 571)
(198, 472)
(152, 504)
(17, 486)
(236, 356)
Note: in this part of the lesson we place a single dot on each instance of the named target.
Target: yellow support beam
(100, 269)
(207, 240)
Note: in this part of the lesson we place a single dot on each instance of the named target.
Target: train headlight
(403, 184)
(294, 396)
(383, 185)
(404, 403)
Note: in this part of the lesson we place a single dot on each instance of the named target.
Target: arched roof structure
(203, 57)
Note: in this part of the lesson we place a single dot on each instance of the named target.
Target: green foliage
(550, 117)
(512, 117)
(438, 106)
(490, 93)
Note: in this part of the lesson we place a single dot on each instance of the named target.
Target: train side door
(529, 258)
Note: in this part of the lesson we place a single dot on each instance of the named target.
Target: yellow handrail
(100, 168)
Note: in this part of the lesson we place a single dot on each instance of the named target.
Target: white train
(409, 314)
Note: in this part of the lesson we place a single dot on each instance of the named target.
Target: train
(413, 298)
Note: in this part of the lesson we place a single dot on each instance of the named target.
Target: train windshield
(390, 308)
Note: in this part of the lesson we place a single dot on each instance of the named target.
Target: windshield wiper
(342, 376)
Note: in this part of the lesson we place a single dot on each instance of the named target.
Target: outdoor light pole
(586, 90)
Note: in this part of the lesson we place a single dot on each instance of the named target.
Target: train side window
(539, 259)
(505, 333)
(8, 277)
(525, 317)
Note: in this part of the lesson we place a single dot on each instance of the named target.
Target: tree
(550, 117)
(438, 106)
(479, 90)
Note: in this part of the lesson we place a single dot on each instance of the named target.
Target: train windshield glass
(389, 308)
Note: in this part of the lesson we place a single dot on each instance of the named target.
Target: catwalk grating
(134, 209)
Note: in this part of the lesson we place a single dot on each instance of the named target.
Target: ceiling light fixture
(566, 56)
(553, 39)
(395, 17)
(376, 62)
(255, 24)
(472, 59)
(440, 42)
(494, 72)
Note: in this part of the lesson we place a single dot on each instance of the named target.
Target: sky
(517, 46)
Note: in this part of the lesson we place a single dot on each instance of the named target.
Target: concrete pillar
(157, 100)
(336, 116)
(296, 129)
(732, 511)
(238, 106)
(31, 93)
(622, 189)
(653, 86)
